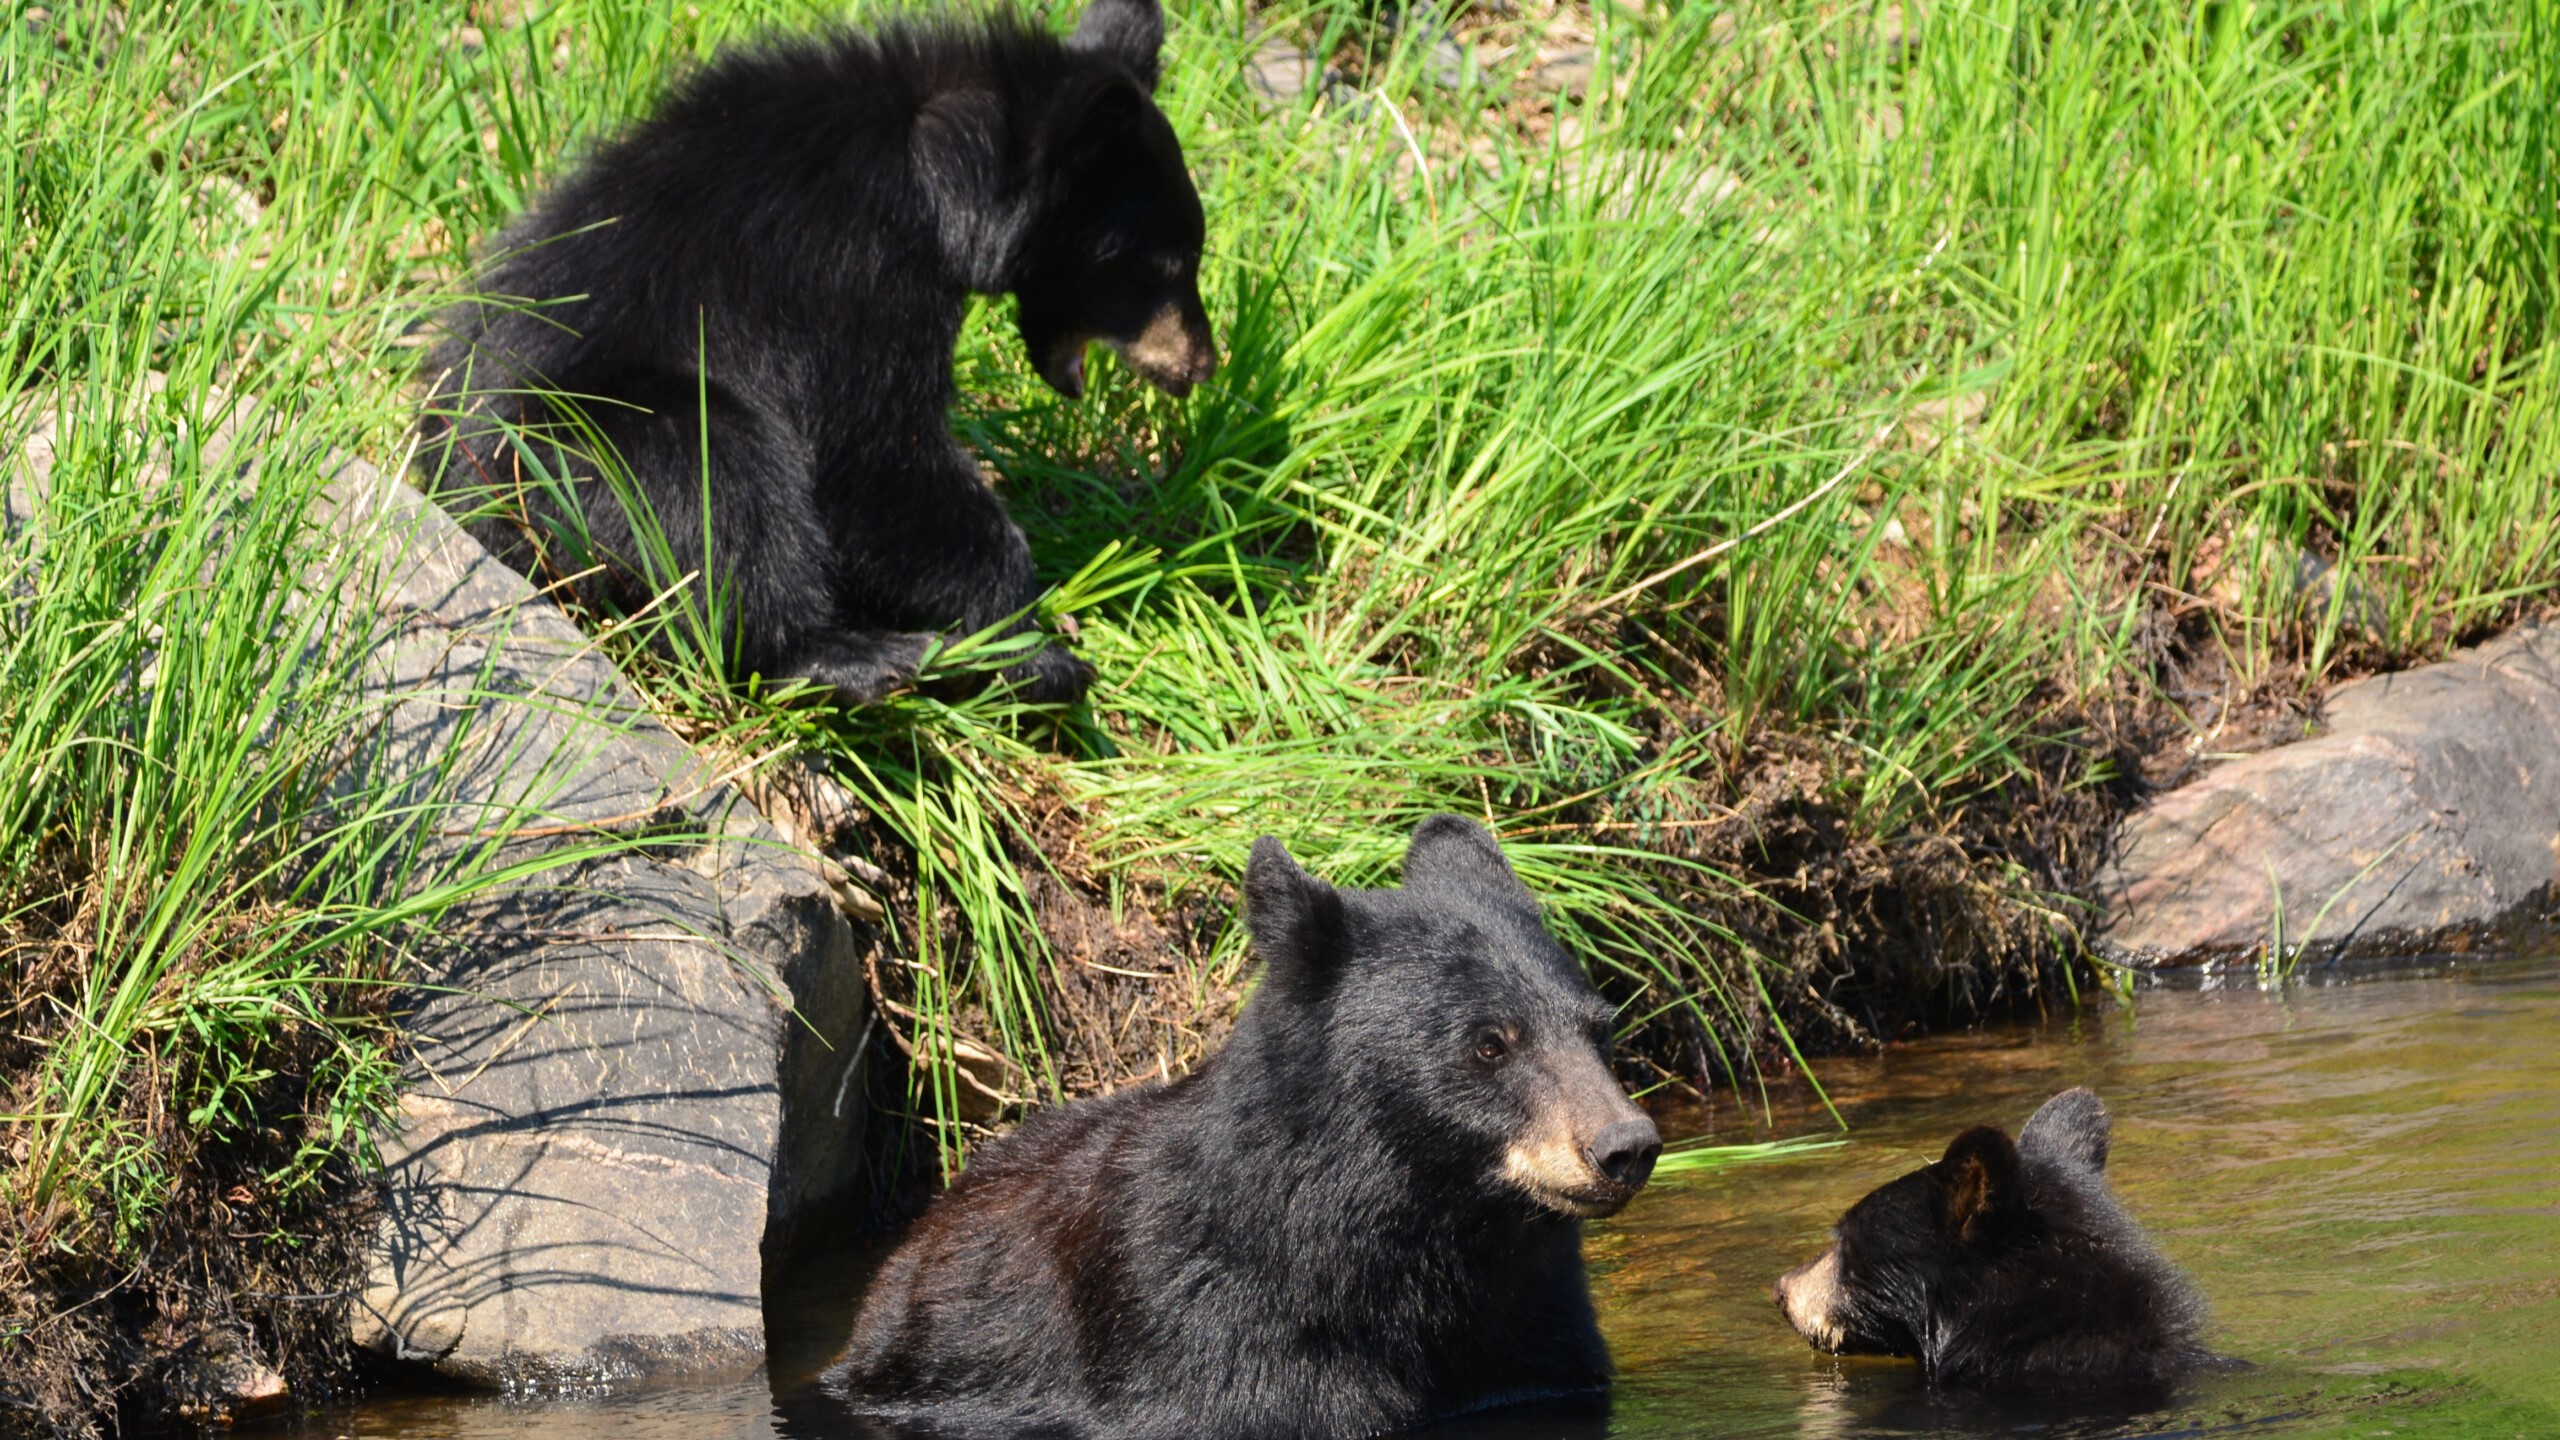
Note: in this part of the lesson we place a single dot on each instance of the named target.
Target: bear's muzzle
(1809, 1296)
(1592, 1149)
(1174, 352)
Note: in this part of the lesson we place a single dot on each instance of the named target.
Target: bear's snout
(1808, 1295)
(1175, 351)
(1624, 1153)
(1589, 1149)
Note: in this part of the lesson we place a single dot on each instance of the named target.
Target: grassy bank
(1795, 492)
(206, 890)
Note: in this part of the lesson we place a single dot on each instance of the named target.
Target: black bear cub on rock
(766, 278)
(2005, 1265)
(1364, 1212)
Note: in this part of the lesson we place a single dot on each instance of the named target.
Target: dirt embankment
(1811, 928)
(229, 1300)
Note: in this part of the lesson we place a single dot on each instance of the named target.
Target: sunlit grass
(2164, 301)
(1691, 1157)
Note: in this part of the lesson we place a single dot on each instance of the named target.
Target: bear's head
(1111, 251)
(1447, 1023)
(2001, 1259)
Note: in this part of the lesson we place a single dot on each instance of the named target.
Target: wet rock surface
(2426, 816)
(633, 1075)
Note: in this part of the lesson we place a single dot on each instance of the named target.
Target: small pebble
(1280, 72)
(1446, 64)
(1569, 72)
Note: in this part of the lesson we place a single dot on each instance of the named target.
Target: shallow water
(2362, 1173)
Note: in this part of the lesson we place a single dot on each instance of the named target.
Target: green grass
(1541, 483)
(1690, 1157)
(1891, 412)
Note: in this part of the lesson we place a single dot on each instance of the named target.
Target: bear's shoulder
(1071, 1137)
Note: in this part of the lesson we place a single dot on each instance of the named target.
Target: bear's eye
(1491, 1048)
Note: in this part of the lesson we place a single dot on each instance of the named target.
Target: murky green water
(2363, 1174)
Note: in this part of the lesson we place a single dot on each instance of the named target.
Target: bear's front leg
(861, 668)
(938, 551)
(1054, 675)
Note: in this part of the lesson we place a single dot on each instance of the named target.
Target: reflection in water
(803, 1412)
(2363, 1176)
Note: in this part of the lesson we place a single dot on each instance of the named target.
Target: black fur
(2005, 1265)
(778, 259)
(1314, 1234)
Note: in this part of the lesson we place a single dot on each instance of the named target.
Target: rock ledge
(2426, 818)
(634, 1076)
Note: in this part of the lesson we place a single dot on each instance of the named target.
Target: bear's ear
(1979, 1176)
(958, 150)
(2070, 1128)
(1295, 918)
(1091, 123)
(1129, 31)
(1452, 852)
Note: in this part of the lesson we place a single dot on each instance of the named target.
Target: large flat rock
(631, 1076)
(2426, 817)
(599, 1137)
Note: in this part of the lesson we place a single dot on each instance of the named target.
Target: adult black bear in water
(1363, 1213)
(2005, 1265)
(752, 298)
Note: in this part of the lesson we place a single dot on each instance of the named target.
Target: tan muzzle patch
(1809, 1296)
(1554, 1172)
(1548, 1165)
(1168, 354)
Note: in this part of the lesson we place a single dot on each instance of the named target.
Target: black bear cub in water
(1364, 1212)
(2004, 1265)
(752, 298)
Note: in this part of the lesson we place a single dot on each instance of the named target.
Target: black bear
(1362, 1213)
(752, 298)
(2004, 1264)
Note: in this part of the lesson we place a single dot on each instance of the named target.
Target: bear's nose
(1625, 1151)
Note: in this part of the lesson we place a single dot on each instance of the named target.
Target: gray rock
(495, 700)
(1569, 73)
(633, 1074)
(1443, 58)
(2323, 591)
(2427, 816)
(632, 1079)
(1345, 101)
(1444, 63)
